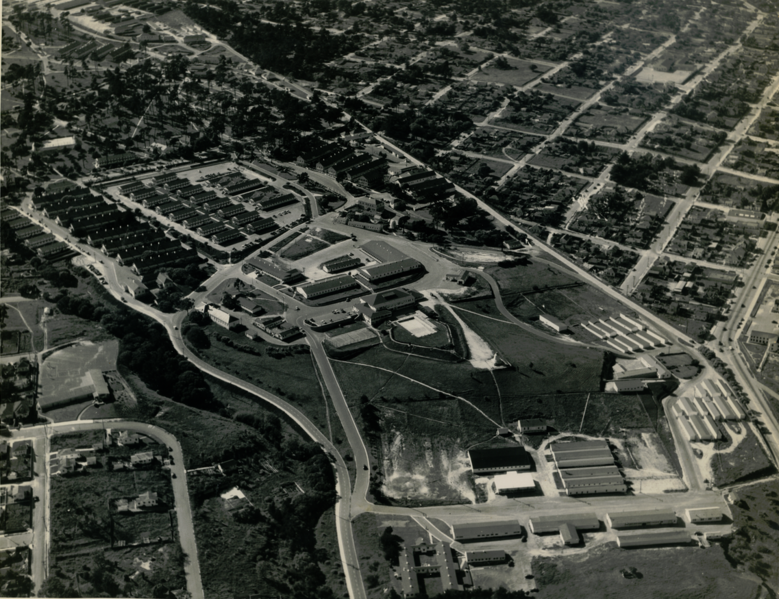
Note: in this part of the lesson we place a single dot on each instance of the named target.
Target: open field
(748, 460)
(518, 73)
(755, 543)
(302, 247)
(665, 572)
(64, 373)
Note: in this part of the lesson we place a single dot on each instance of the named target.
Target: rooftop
(500, 457)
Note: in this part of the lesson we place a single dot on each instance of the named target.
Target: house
(142, 459)
(261, 225)
(146, 499)
(52, 249)
(499, 459)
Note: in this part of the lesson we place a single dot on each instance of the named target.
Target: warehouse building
(486, 530)
(514, 483)
(327, 286)
(581, 453)
(641, 518)
(546, 524)
(654, 539)
(704, 514)
(499, 459)
(553, 323)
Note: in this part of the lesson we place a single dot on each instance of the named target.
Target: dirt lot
(665, 572)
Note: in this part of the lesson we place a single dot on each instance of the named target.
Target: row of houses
(343, 162)
(34, 236)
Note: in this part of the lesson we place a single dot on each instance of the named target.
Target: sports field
(63, 374)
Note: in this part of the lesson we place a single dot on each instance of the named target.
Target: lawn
(677, 572)
(327, 235)
(755, 543)
(746, 462)
(302, 247)
(518, 73)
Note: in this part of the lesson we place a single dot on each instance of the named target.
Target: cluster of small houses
(697, 292)
(584, 467)
(708, 234)
(16, 461)
(22, 374)
(68, 461)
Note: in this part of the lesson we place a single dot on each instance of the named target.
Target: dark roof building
(327, 286)
(545, 524)
(340, 264)
(500, 459)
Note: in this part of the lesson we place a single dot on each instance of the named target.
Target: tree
(198, 338)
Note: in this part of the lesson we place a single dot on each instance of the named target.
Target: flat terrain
(665, 572)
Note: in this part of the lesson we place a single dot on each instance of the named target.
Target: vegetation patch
(666, 572)
(747, 461)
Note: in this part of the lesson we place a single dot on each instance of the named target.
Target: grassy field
(438, 339)
(64, 328)
(678, 572)
(747, 461)
(572, 305)
(302, 247)
(63, 373)
(756, 543)
(327, 235)
(519, 72)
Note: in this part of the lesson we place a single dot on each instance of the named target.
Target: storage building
(704, 514)
(486, 530)
(654, 539)
(327, 286)
(641, 518)
(514, 482)
(489, 556)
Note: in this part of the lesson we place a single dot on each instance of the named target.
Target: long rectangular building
(641, 518)
(592, 485)
(388, 270)
(545, 524)
(654, 539)
(499, 459)
(327, 286)
(486, 530)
